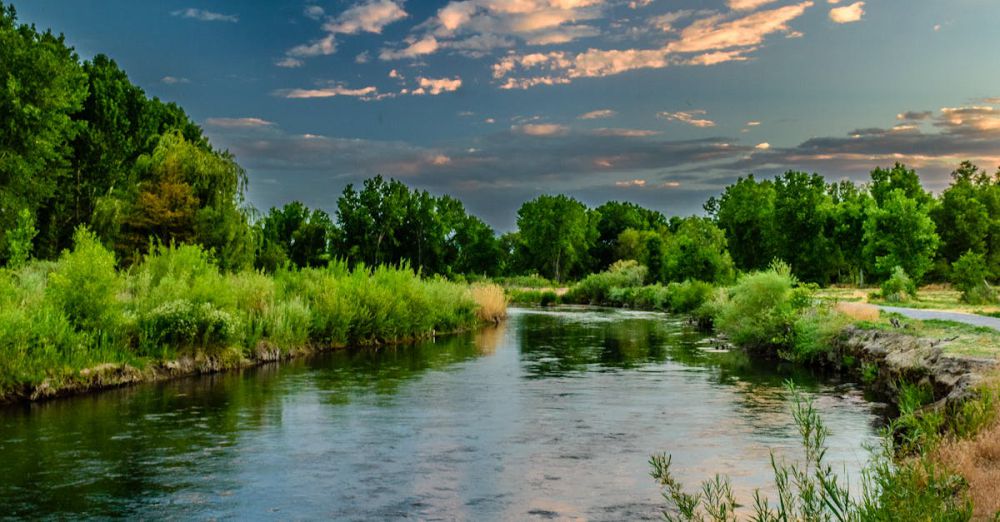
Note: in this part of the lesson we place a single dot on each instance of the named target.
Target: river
(552, 415)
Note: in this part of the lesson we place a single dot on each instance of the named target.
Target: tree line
(80, 145)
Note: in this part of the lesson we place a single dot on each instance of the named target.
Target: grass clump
(597, 288)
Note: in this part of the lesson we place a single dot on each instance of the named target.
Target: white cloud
(848, 13)
(716, 32)
(322, 47)
(314, 11)
(753, 123)
(747, 5)
(437, 86)
(426, 45)
(238, 123)
(289, 63)
(598, 114)
(625, 133)
(174, 80)
(763, 146)
(370, 17)
(694, 118)
(328, 92)
(205, 16)
(540, 129)
(631, 183)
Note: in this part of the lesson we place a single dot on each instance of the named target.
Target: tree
(42, 87)
(19, 239)
(745, 212)
(968, 217)
(697, 250)
(803, 212)
(294, 233)
(885, 181)
(899, 232)
(556, 233)
(851, 207)
(184, 194)
(969, 275)
(615, 218)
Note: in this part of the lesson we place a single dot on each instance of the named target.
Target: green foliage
(968, 275)
(758, 313)
(555, 235)
(688, 296)
(745, 212)
(899, 288)
(697, 250)
(596, 288)
(19, 239)
(616, 217)
(84, 284)
(816, 328)
(900, 232)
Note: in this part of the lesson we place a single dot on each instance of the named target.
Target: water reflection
(552, 415)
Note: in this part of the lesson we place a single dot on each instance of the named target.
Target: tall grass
(58, 318)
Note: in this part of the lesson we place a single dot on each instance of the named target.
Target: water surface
(552, 415)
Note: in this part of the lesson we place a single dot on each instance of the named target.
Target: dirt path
(958, 317)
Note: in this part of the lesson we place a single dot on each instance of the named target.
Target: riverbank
(78, 324)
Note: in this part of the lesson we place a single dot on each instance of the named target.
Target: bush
(85, 285)
(816, 329)
(183, 324)
(759, 312)
(596, 288)
(686, 297)
(968, 275)
(899, 288)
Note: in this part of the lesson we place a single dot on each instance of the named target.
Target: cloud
(328, 92)
(689, 117)
(631, 183)
(763, 146)
(174, 80)
(238, 123)
(370, 17)
(624, 133)
(540, 129)
(747, 5)
(598, 114)
(437, 86)
(753, 123)
(712, 39)
(848, 13)
(289, 63)
(314, 11)
(322, 47)
(427, 45)
(205, 16)
(914, 115)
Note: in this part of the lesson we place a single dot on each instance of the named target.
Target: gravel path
(959, 317)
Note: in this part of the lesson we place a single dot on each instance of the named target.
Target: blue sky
(662, 102)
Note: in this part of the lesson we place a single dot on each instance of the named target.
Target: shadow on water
(530, 419)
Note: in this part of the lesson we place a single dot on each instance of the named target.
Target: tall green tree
(803, 223)
(556, 233)
(41, 87)
(295, 234)
(968, 217)
(900, 232)
(615, 218)
(745, 212)
(851, 207)
(697, 250)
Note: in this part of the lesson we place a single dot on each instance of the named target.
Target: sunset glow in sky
(662, 102)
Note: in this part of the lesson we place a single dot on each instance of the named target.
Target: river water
(552, 415)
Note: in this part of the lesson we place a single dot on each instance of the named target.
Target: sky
(660, 102)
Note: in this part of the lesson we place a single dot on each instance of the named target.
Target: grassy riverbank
(77, 322)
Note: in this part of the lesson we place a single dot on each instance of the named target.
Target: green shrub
(183, 324)
(596, 288)
(899, 288)
(816, 329)
(686, 297)
(759, 312)
(968, 275)
(85, 285)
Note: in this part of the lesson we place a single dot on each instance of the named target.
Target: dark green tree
(697, 250)
(745, 212)
(803, 225)
(556, 233)
(899, 232)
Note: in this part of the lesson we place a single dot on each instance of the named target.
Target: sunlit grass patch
(491, 302)
(858, 311)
